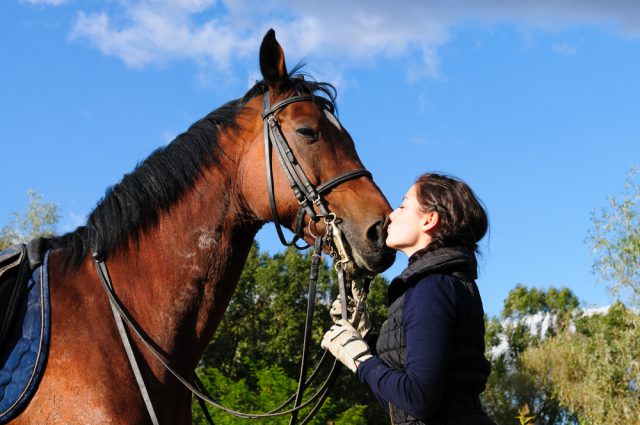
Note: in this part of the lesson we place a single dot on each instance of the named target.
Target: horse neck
(178, 279)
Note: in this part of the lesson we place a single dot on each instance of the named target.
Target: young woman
(429, 365)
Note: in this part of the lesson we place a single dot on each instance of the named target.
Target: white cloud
(339, 33)
(159, 35)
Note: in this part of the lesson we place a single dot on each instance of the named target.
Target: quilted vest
(468, 367)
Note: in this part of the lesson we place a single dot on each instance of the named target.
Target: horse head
(324, 153)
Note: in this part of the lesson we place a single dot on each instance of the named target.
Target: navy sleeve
(428, 323)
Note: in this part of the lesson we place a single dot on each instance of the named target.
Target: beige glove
(346, 345)
(364, 325)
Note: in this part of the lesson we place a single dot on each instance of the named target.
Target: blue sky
(536, 106)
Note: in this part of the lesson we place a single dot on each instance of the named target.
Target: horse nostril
(376, 232)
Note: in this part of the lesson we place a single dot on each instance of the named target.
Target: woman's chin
(389, 243)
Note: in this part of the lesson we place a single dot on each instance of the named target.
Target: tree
(593, 367)
(529, 316)
(40, 219)
(253, 360)
(594, 370)
(615, 240)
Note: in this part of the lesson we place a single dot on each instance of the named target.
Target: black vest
(468, 368)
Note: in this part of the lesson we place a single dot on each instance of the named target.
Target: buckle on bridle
(303, 201)
(272, 120)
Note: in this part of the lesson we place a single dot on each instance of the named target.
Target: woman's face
(407, 225)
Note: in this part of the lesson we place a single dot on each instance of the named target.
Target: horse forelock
(135, 204)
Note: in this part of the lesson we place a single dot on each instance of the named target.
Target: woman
(430, 365)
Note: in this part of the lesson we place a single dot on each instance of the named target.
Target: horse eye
(308, 133)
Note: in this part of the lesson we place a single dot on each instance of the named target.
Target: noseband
(309, 197)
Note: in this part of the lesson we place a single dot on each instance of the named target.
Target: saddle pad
(23, 355)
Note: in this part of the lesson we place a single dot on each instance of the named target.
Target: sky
(535, 104)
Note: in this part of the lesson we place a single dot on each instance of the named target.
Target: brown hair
(463, 220)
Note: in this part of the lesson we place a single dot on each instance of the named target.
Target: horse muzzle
(368, 255)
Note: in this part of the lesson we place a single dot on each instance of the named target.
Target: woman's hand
(346, 345)
(356, 311)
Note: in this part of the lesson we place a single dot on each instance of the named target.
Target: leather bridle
(309, 197)
(305, 192)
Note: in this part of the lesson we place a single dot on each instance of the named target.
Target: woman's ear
(429, 221)
(272, 65)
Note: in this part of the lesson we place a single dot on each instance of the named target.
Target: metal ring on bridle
(342, 264)
(309, 228)
(329, 218)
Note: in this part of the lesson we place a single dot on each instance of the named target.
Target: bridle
(305, 192)
(309, 197)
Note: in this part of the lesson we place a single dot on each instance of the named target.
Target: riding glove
(346, 344)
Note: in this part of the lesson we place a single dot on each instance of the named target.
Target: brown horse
(176, 232)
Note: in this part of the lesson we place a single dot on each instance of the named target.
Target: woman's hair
(463, 220)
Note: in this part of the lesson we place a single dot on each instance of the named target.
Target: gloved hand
(364, 325)
(346, 345)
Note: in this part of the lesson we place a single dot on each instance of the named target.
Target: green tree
(594, 370)
(512, 388)
(593, 367)
(522, 302)
(615, 240)
(253, 361)
(40, 219)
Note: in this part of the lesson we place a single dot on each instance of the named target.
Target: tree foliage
(594, 370)
(589, 365)
(40, 219)
(252, 363)
(615, 240)
(523, 301)
(511, 388)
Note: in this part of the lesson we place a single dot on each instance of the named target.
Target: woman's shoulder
(446, 293)
(434, 287)
(433, 298)
(454, 289)
(436, 282)
(441, 264)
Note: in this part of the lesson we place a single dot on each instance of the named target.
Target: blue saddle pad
(24, 354)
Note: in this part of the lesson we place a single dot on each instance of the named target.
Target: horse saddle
(25, 325)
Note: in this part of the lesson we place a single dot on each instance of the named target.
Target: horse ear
(272, 66)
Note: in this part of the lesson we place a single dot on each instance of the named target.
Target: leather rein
(309, 197)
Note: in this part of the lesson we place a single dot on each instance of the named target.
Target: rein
(308, 196)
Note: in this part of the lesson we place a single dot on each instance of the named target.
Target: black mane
(134, 205)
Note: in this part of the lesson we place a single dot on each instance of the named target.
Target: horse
(177, 231)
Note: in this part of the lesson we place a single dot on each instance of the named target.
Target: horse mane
(134, 205)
